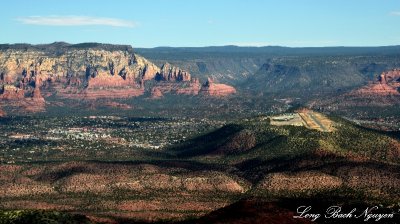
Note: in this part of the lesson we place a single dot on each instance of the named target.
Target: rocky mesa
(72, 70)
(89, 71)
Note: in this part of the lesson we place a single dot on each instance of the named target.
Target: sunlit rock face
(29, 74)
(172, 73)
(219, 90)
(73, 71)
(387, 84)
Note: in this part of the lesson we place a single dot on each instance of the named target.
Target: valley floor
(250, 167)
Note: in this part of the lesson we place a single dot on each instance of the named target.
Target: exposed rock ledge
(219, 90)
(387, 84)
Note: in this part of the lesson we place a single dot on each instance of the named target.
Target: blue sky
(151, 23)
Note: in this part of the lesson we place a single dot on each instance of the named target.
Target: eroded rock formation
(219, 90)
(387, 84)
(384, 92)
(191, 88)
(29, 74)
(194, 87)
(172, 73)
(78, 71)
(11, 92)
(37, 95)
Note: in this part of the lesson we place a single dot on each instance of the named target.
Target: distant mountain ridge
(274, 50)
(277, 50)
(291, 69)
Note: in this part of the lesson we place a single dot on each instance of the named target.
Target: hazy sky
(150, 23)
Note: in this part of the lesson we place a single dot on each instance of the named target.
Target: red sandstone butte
(37, 95)
(387, 84)
(219, 90)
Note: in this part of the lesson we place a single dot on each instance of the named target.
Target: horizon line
(208, 46)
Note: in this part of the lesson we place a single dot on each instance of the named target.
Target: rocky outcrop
(29, 74)
(37, 95)
(382, 93)
(393, 75)
(172, 73)
(192, 88)
(106, 81)
(150, 71)
(79, 69)
(179, 88)
(11, 92)
(387, 84)
(210, 88)
(15, 96)
(377, 89)
(173, 80)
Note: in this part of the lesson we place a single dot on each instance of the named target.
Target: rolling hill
(247, 160)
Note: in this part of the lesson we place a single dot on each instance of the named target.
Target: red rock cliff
(172, 73)
(387, 84)
(219, 90)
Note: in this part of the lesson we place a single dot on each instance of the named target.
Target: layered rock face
(73, 71)
(387, 84)
(219, 90)
(172, 73)
(31, 73)
(192, 87)
(37, 95)
(179, 88)
(10, 92)
(393, 77)
(174, 80)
